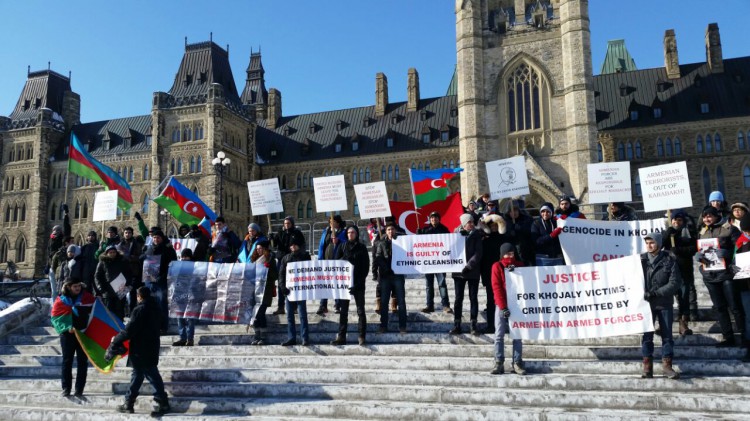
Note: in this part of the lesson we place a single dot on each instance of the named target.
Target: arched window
(453, 164)
(53, 212)
(21, 250)
(414, 165)
(382, 173)
(720, 179)
(706, 183)
(638, 149)
(638, 185)
(199, 165)
(741, 140)
(668, 147)
(445, 163)
(699, 144)
(677, 146)
(427, 165)
(15, 213)
(354, 176)
(304, 180)
(309, 212)
(198, 132)
(419, 167)
(144, 206)
(599, 153)
(395, 196)
(145, 172)
(8, 211)
(300, 210)
(356, 207)
(325, 174)
(746, 176)
(659, 147)
(30, 153)
(191, 165)
(717, 143)
(310, 179)
(524, 86)
(179, 165)
(709, 144)
(620, 151)
(77, 211)
(396, 173)
(186, 134)
(176, 134)
(283, 182)
(390, 173)
(367, 175)
(172, 166)
(629, 151)
(4, 246)
(23, 212)
(85, 213)
(361, 175)
(60, 213)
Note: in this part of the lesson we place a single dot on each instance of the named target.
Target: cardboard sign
(330, 193)
(372, 199)
(507, 178)
(265, 196)
(105, 206)
(433, 253)
(742, 260)
(585, 240)
(609, 182)
(665, 187)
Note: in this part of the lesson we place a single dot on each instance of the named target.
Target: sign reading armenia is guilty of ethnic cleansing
(665, 187)
(433, 253)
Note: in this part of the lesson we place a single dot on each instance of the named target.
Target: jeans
(359, 300)
(70, 347)
(665, 317)
(389, 284)
(723, 298)
(186, 328)
(687, 300)
(501, 328)
(745, 297)
(161, 297)
(302, 311)
(460, 284)
(136, 380)
(54, 291)
(430, 279)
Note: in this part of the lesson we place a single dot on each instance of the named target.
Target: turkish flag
(411, 220)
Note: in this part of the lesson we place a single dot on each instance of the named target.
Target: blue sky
(321, 55)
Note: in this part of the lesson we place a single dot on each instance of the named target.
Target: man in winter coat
(546, 235)
(435, 227)
(252, 238)
(282, 240)
(57, 247)
(518, 229)
(71, 268)
(507, 261)
(662, 280)
(112, 265)
(333, 236)
(143, 333)
(619, 211)
(567, 209)
(225, 243)
(200, 253)
(469, 275)
(112, 239)
(494, 227)
(89, 261)
(389, 281)
(354, 252)
(680, 240)
(297, 254)
(131, 247)
(160, 247)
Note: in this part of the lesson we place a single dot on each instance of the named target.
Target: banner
(609, 182)
(742, 260)
(315, 280)
(431, 253)
(665, 187)
(372, 199)
(507, 177)
(330, 193)
(216, 292)
(105, 206)
(265, 196)
(591, 300)
(586, 240)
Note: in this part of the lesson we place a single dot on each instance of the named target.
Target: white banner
(315, 280)
(507, 177)
(372, 199)
(183, 243)
(742, 260)
(665, 187)
(585, 240)
(330, 193)
(609, 182)
(265, 196)
(433, 253)
(591, 300)
(105, 206)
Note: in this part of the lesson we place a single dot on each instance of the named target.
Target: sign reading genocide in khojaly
(507, 177)
(265, 196)
(585, 240)
(433, 253)
(105, 206)
(609, 182)
(372, 199)
(665, 187)
(591, 300)
(315, 280)
(330, 194)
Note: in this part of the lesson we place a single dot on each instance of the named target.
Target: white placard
(105, 206)
(507, 177)
(179, 244)
(265, 196)
(665, 187)
(609, 182)
(315, 280)
(585, 240)
(433, 253)
(591, 300)
(330, 193)
(742, 260)
(372, 199)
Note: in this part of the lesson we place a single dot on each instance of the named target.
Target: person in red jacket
(507, 261)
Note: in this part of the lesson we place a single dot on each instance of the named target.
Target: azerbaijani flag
(183, 204)
(102, 327)
(431, 185)
(80, 162)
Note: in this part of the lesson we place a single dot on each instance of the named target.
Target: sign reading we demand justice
(590, 300)
(315, 280)
(434, 253)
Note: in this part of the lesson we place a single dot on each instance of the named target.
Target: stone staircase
(424, 374)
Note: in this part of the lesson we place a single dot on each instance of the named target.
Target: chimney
(381, 94)
(412, 90)
(713, 49)
(671, 59)
(274, 107)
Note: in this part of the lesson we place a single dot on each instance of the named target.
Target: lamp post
(165, 214)
(220, 163)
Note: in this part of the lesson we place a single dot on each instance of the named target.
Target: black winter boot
(499, 367)
(456, 328)
(474, 328)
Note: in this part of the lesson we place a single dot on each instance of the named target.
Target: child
(508, 261)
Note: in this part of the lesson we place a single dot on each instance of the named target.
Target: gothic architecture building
(524, 84)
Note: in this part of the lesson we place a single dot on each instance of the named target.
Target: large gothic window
(523, 87)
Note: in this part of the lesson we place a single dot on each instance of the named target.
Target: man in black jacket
(143, 333)
(160, 247)
(297, 255)
(354, 252)
(469, 275)
(57, 247)
(435, 227)
(681, 241)
(89, 260)
(283, 239)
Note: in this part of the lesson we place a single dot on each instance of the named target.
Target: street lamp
(165, 214)
(220, 163)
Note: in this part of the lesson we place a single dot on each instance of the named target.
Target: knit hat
(112, 229)
(507, 248)
(290, 219)
(710, 210)
(338, 219)
(110, 248)
(435, 214)
(656, 236)
(679, 214)
(745, 222)
(546, 206)
(295, 241)
(264, 243)
(465, 219)
(716, 195)
(57, 230)
(91, 233)
(565, 198)
(254, 226)
(74, 249)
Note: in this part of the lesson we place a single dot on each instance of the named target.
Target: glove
(646, 295)
(65, 208)
(556, 232)
(511, 268)
(735, 269)
(113, 351)
(286, 291)
(352, 290)
(506, 313)
(138, 216)
(699, 257)
(465, 271)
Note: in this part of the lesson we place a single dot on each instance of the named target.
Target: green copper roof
(453, 86)
(618, 58)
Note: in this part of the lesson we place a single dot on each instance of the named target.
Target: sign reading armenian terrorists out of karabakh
(665, 187)
(433, 253)
(372, 199)
(507, 177)
(265, 196)
(330, 193)
(609, 182)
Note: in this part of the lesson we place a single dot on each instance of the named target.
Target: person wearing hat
(738, 210)
(546, 236)
(389, 281)
(469, 275)
(518, 228)
(354, 252)
(112, 239)
(619, 211)
(495, 235)
(743, 284)
(200, 252)
(435, 227)
(283, 239)
(58, 261)
(296, 254)
(568, 209)
(662, 280)
(681, 241)
(56, 248)
(262, 255)
(70, 311)
(719, 282)
(507, 261)
(131, 247)
(716, 200)
(89, 260)
(183, 231)
(162, 252)
(252, 238)
(332, 237)
(71, 267)
(112, 265)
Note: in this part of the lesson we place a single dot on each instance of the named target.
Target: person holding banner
(435, 227)
(262, 255)
(743, 284)
(680, 240)
(546, 236)
(334, 235)
(185, 325)
(283, 240)
(469, 275)
(112, 280)
(619, 211)
(567, 209)
(298, 254)
(390, 281)
(662, 280)
(354, 252)
(507, 261)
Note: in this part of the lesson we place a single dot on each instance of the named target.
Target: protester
(297, 254)
(131, 248)
(200, 252)
(262, 255)
(160, 247)
(253, 237)
(507, 261)
(469, 275)
(567, 209)
(185, 325)
(743, 284)
(70, 311)
(716, 200)
(57, 247)
(680, 240)
(59, 259)
(491, 209)
(111, 267)
(546, 236)
(389, 281)
(473, 210)
(183, 231)
(619, 211)
(143, 333)
(739, 210)
(225, 243)
(518, 229)
(89, 261)
(283, 239)
(482, 203)
(662, 280)
(354, 252)
(389, 220)
(71, 268)
(333, 236)
(494, 227)
(112, 239)
(435, 227)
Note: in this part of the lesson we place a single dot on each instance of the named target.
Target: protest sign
(265, 196)
(105, 206)
(315, 280)
(507, 177)
(183, 243)
(330, 193)
(217, 292)
(585, 240)
(590, 300)
(372, 199)
(711, 260)
(665, 187)
(742, 260)
(433, 253)
(609, 182)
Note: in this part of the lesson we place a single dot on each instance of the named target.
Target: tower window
(524, 100)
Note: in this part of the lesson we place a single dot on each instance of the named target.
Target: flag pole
(67, 171)
(270, 237)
